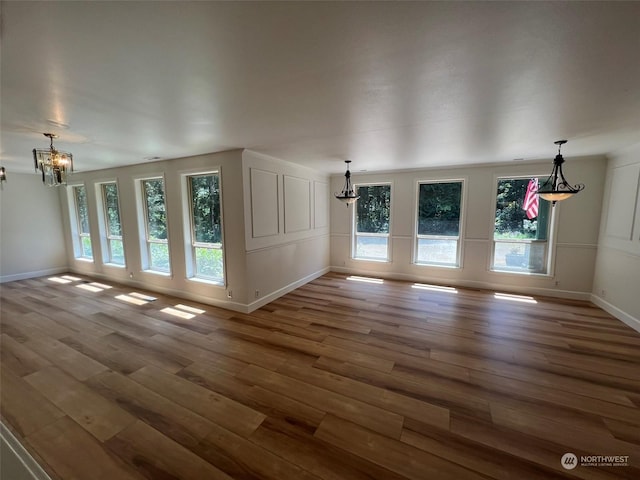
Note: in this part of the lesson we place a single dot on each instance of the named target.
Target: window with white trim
(372, 222)
(205, 251)
(113, 228)
(155, 222)
(84, 249)
(438, 223)
(521, 238)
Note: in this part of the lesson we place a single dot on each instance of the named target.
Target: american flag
(530, 204)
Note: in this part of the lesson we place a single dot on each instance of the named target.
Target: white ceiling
(389, 85)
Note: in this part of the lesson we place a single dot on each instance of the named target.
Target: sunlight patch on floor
(355, 278)
(514, 298)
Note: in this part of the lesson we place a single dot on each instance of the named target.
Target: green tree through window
(373, 213)
(156, 209)
(205, 199)
(439, 206)
(82, 217)
(156, 225)
(206, 227)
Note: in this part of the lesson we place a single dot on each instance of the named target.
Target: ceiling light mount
(348, 194)
(556, 187)
(53, 164)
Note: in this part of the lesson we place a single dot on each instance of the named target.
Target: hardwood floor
(340, 379)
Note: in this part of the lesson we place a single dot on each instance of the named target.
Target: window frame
(552, 227)
(354, 223)
(190, 234)
(108, 237)
(77, 230)
(143, 214)
(461, 222)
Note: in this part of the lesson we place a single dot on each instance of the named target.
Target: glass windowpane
(374, 248)
(209, 263)
(116, 251)
(439, 251)
(205, 209)
(155, 209)
(81, 209)
(439, 209)
(112, 209)
(373, 208)
(159, 256)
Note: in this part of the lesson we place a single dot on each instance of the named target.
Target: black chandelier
(556, 187)
(53, 164)
(348, 195)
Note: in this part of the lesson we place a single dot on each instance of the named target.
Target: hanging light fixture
(3, 175)
(53, 164)
(556, 187)
(348, 195)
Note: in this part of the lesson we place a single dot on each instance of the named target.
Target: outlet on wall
(257, 293)
(229, 294)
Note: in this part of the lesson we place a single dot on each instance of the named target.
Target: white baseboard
(616, 312)
(38, 273)
(545, 292)
(286, 289)
(228, 304)
(17, 462)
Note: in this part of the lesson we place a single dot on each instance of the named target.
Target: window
(113, 229)
(520, 244)
(82, 221)
(155, 216)
(438, 232)
(205, 256)
(372, 215)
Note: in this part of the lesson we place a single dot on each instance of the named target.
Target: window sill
(376, 260)
(207, 282)
(84, 259)
(114, 265)
(157, 272)
(438, 265)
(516, 272)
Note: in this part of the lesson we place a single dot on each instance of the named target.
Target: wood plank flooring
(340, 379)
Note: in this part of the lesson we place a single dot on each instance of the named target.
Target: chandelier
(348, 195)
(53, 164)
(556, 187)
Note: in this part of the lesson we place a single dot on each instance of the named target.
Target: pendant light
(556, 187)
(348, 195)
(53, 164)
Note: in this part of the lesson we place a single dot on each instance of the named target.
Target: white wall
(575, 249)
(286, 225)
(31, 231)
(616, 285)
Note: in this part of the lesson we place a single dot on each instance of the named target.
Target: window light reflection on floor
(64, 279)
(515, 298)
(130, 299)
(73, 279)
(59, 280)
(142, 296)
(435, 288)
(187, 308)
(183, 311)
(355, 278)
(89, 287)
(178, 313)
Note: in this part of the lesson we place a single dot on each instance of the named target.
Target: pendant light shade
(556, 187)
(348, 194)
